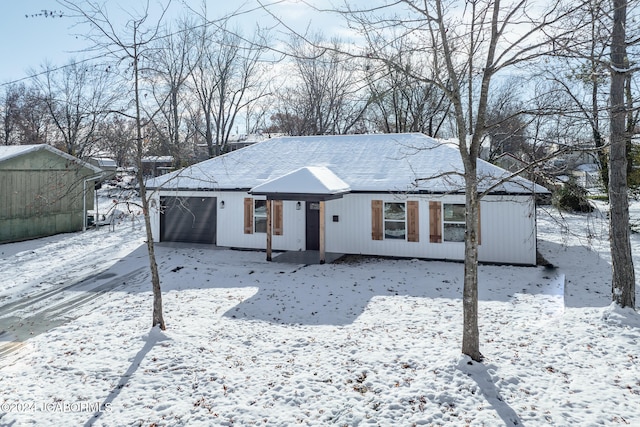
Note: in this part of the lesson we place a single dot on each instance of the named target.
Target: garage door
(188, 219)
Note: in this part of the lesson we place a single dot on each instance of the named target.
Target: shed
(43, 191)
(385, 194)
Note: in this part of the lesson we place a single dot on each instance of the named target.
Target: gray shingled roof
(366, 163)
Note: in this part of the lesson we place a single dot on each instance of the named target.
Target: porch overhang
(309, 184)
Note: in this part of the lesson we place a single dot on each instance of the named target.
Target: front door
(313, 226)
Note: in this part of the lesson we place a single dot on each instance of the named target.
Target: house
(43, 191)
(156, 165)
(510, 162)
(390, 195)
(107, 165)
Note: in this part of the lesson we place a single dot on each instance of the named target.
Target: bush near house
(571, 198)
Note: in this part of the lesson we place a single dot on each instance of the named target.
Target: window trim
(277, 210)
(411, 220)
(257, 216)
(444, 222)
(386, 220)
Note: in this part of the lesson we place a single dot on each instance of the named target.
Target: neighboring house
(43, 191)
(510, 162)
(391, 195)
(157, 165)
(107, 165)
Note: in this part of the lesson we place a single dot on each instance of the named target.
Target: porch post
(322, 237)
(268, 230)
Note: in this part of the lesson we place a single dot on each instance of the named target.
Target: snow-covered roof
(10, 151)
(157, 159)
(409, 162)
(105, 162)
(306, 180)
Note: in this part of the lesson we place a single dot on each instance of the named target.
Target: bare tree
(399, 101)
(10, 113)
(170, 65)
(468, 45)
(579, 69)
(323, 93)
(128, 46)
(226, 78)
(32, 120)
(506, 121)
(116, 135)
(623, 280)
(77, 97)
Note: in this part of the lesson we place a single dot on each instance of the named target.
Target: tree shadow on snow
(587, 274)
(483, 376)
(329, 294)
(155, 336)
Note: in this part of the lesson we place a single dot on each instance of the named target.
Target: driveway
(40, 312)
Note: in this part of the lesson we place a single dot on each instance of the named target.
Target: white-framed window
(260, 216)
(395, 220)
(453, 220)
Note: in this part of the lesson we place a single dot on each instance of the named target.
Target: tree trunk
(471, 333)
(623, 275)
(157, 319)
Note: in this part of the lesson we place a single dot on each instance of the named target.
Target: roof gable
(306, 180)
(8, 152)
(365, 163)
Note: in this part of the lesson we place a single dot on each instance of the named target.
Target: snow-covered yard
(364, 342)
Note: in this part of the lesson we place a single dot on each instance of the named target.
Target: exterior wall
(508, 233)
(230, 227)
(41, 194)
(507, 229)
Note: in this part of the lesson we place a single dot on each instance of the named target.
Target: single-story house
(43, 191)
(157, 165)
(107, 165)
(385, 194)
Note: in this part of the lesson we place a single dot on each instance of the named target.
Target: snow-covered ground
(365, 342)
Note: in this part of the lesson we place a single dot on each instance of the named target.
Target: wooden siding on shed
(41, 194)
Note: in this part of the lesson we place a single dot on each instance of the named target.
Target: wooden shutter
(277, 217)
(248, 215)
(376, 220)
(413, 227)
(435, 222)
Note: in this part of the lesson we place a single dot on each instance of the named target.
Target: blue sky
(29, 42)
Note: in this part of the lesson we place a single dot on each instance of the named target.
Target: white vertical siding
(154, 214)
(508, 229)
(507, 222)
(231, 225)
(230, 221)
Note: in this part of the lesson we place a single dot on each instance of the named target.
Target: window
(260, 216)
(255, 216)
(395, 216)
(450, 218)
(395, 220)
(453, 222)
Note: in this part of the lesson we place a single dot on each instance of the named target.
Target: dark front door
(313, 226)
(188, 219)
